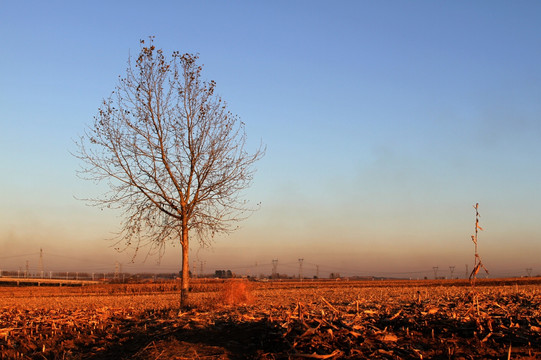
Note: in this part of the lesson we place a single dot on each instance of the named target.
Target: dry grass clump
(228, 292)
(235, 292)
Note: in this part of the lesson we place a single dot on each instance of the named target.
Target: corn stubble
(309, 320)
(478, 264)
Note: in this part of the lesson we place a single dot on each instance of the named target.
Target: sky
(384, 122)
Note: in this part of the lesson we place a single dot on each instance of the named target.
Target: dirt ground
(323, 320)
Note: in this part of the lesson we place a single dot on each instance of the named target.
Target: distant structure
(202, 264)
(41, 262)
(435, 268)
(274, 268)
(117, 270)
(300, 269)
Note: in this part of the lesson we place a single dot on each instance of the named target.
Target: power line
(37, 260)
(16, 256)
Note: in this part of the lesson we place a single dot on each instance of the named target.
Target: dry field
(309, 320)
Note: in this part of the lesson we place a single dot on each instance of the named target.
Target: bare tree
(173, 156)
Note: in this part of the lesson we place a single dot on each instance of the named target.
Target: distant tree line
(224, 274)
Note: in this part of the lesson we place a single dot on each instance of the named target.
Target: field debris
(320, 320)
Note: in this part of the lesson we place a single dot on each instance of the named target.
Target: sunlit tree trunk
(185, 280)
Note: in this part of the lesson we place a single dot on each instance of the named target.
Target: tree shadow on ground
(223, 340)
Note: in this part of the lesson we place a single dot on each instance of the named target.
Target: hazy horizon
(384, 124)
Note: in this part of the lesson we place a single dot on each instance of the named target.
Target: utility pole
(202, 263)
(529, 271)
(300, 269)
(256, 275)
(467, 273)
(117, 270)
(452, 269)
(41, 262)
(274, 268)
(26, 271)
(435, 268)
(317, 271)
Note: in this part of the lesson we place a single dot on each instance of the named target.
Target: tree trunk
(184, 283)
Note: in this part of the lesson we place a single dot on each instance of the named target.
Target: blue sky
(384, 123)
